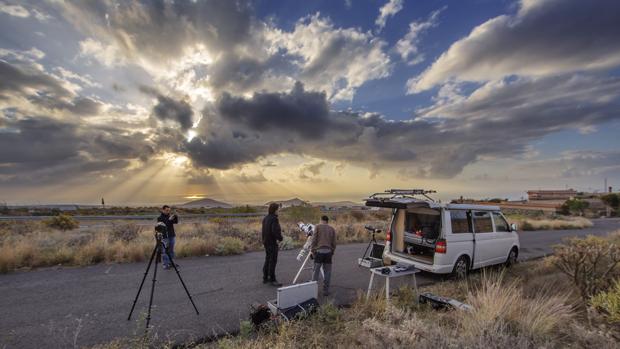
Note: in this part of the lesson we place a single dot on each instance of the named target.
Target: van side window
(461, 221)
(500, 223)
(482, 222)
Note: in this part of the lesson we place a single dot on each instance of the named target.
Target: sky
(150, 102)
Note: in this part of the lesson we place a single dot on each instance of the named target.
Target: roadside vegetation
(55, 241)
(535, 304)
(528, 223)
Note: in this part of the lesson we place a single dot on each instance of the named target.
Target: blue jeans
(169, 242)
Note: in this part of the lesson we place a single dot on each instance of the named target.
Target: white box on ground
(289, 296)
(292, 295)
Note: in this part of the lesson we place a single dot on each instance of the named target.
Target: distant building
(289, 203)
(534, 195)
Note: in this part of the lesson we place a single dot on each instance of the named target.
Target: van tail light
(441, 246)
(388, 235)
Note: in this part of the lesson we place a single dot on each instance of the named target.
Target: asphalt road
(66, 307)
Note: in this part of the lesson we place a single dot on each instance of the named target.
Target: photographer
(169, 220)
(323, 247)
(271, 234)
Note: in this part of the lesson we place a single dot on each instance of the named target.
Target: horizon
(251, 101)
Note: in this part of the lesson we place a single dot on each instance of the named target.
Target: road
(62, 307)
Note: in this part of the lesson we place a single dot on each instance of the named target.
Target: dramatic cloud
(20, 79)
(157, 33)
(48, 150)
(168, 108)
(407, 47)
(298, 111)
(388, 10)
(335, 60)
(544, 37)
(498, 120)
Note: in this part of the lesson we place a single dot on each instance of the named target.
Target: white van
(445, 238)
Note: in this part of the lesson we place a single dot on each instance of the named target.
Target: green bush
(62, 222)
(574, 206)
(608, 303)
(229, 246)
(591, 263)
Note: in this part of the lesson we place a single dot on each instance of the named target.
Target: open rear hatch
(416, 224)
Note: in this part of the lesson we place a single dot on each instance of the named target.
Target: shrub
(358, 216)
(62, 222)
(229, 246)
(125, 232)
(307, 214)
(608, 303)
(589, 262)
(287, 243)
(574, 206)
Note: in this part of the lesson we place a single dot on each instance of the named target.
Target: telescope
(308, 229)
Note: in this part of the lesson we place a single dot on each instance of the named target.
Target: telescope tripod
(372, 241)
(160, 247)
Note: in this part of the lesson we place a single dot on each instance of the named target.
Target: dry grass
(518, 309)
(525, 223)
(32, 244)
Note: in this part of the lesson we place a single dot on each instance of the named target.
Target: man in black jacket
(169, 220)
(272, 233)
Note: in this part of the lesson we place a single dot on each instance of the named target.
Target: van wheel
(461, 268)
(512, 257)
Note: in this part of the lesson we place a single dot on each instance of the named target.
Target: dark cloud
(301, 112)
(14, 79)
(38, 140)
(45, 150)
(79, 106)
(168, 108)
(499, 119)
(545, 37)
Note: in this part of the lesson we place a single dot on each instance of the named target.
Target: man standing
(169, 220)
(272, 233)
(323, 247)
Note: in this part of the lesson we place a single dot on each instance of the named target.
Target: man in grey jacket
(323, 247)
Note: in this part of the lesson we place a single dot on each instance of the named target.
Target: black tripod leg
(367, 248)
(182, 283)
(148, 314)
(142, 283)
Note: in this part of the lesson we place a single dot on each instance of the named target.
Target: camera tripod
(160, 247)
(373, 240)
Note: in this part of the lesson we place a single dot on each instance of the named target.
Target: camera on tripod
(161, 231)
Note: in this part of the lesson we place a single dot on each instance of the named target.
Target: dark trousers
(323, 260)
(271, 258)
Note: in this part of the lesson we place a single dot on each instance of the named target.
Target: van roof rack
(402, 193)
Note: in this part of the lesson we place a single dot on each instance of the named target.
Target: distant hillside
(337, 204)
(206, 203)
(289, 203)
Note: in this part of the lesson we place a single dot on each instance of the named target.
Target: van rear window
(482, 222)
(461, 221)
